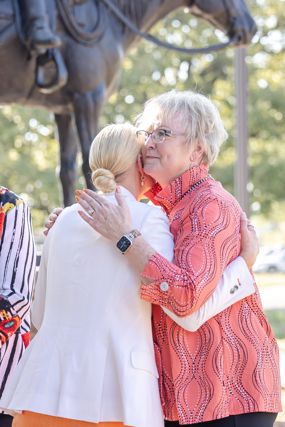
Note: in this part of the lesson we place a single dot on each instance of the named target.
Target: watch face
(123, 244)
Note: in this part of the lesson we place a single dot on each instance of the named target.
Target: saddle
(81, 19)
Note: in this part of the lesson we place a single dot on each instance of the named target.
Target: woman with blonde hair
(92, 361)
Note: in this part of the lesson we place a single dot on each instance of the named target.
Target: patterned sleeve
(17, 267)
(208, 242)
(236, 283)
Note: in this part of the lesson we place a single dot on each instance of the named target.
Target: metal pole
(241, 167)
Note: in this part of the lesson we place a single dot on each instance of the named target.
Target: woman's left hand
(249, 241)
(110, 220)
(51, 219)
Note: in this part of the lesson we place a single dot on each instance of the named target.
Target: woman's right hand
(51, 219)
(249, 242)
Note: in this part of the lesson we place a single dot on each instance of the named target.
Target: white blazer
(93, 357)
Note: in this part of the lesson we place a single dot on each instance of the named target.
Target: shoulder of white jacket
(70, 210)
(70, 217)
(154, 211)
(152, 215)
(143, 208)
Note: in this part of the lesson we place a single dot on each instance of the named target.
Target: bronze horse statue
(94, 42)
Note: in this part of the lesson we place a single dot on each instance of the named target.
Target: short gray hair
(197, 114)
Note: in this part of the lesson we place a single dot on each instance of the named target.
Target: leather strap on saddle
(51, 72)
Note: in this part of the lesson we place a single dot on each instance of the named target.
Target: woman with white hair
(92, 361)
(227, 372)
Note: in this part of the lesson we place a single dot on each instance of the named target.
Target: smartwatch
(127, 240)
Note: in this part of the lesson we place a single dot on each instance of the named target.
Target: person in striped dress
(17, 269)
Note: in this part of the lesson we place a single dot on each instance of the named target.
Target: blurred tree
(213, 75)
(29, 150)
(28, 158)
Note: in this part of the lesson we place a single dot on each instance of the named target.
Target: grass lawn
(276, 317)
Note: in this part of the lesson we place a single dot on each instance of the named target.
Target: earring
(142, 180)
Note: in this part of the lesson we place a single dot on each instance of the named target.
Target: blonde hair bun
(113, 152)
(104, 180)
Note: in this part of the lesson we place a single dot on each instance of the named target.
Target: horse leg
(68, 151)
(87, 108)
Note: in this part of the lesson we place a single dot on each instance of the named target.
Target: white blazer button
(235, 288)
(164, 286)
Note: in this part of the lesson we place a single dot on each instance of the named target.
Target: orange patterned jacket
(230, 365)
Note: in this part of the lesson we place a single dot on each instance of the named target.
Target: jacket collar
(125, 193)
(170, 195)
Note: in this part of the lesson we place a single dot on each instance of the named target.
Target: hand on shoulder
(52, 219)
(249, 241)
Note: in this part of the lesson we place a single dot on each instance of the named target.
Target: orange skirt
(33, 419)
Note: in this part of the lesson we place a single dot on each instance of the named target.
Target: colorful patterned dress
(17, 268)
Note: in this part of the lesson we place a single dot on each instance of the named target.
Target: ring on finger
(91, 211)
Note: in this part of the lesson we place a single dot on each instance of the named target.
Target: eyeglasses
(158, 135)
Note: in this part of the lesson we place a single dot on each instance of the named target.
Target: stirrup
(50, 57)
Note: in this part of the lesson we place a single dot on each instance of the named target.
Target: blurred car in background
(270, 260)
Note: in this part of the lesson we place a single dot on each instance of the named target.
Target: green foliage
(276, 319)
(29, 149)
(213, 75)
(28, 159)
